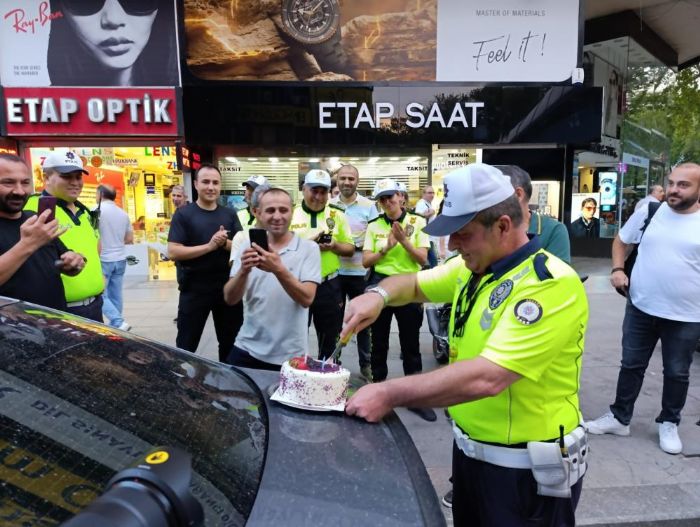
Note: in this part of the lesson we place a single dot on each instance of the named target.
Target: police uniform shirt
(397, 260)
(246, 218)
(358, 213)
(82, 237)
(527, 314)
(309, 224)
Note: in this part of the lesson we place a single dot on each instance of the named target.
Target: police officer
(63, 174)
(327, 225)
(516, 343)
(246, 216)
(396, 244)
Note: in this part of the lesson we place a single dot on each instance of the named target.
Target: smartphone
(325, 238)
(47, 203)
(259, 236)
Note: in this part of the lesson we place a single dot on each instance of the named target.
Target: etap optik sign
(91, 111)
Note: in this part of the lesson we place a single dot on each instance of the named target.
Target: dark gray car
(80, 402)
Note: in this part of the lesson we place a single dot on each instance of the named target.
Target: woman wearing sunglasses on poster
(113, 43)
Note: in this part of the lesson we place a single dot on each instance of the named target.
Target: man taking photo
(32, 257)
(280, 282)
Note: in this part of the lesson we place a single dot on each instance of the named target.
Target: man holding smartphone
(279, 274)
(200, 241)
(32, 257)
(63, 177)
(327, 225)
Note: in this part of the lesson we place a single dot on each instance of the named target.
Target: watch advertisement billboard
(83, 43)
(392, 40)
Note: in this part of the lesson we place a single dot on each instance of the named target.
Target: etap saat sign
(91, 111)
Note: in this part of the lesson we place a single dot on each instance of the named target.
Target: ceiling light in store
(373, 160)
(334, 160)
(274, 160)
(231, 159)
(394, 158)
(294, 159)
(252, 159)
(314, 160)
(412, 159)
(354, 159)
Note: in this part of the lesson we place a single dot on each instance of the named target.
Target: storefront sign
(417, 115)
(91, 111)
(7, 146)
(188, 158)
(635, 161)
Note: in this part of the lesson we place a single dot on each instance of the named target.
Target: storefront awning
(665, 28)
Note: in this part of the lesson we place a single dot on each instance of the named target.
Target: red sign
(91, 111)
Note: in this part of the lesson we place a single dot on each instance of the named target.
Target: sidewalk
(630, 480)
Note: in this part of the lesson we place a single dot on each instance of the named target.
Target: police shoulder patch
(528, 311)
(499, 294)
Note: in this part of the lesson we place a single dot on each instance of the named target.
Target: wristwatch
(315, 25)
(380, 291)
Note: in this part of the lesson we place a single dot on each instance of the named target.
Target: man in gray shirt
(115, 233)
(276, 287)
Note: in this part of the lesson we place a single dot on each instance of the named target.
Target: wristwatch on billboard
(315, 26)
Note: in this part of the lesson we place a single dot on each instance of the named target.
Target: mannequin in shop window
(587, 226)
(112, 43)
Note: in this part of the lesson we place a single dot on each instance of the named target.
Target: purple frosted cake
(306, 383)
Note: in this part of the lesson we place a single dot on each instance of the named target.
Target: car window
(79, 403)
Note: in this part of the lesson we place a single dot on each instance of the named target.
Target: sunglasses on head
(91, 7)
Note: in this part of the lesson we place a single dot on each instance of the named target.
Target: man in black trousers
(200, 241)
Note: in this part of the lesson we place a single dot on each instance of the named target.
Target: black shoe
(424, 413)
(447, 500)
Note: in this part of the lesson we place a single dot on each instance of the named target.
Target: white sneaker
(668, 438)
(125, 326)
(607, 424)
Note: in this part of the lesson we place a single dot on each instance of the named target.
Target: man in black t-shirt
(200, 241)
(32, 257)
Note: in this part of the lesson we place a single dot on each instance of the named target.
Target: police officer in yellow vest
(63, 177)
(327, 225)
(396, 244)
(517, 328)
(246, 216)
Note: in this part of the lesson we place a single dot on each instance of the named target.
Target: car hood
(89, 400)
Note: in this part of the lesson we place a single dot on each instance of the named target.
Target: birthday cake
(307, 382)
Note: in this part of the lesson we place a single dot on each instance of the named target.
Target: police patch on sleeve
(528, 311)
(499, 294)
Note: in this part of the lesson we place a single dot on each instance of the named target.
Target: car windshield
(78, 403)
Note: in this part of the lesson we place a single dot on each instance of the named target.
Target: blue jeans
(113, 304)
(640, 333)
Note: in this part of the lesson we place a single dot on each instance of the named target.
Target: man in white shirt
(359, 210)
(663, 303)
(424, 207)
(656, 195)
(115, 233)
(276, 287)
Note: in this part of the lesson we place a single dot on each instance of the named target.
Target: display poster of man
(79, 43)
(391, 40)
(585, 215)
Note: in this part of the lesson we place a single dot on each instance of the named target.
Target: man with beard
(281, 280)
(663, 303)
(359, 210)
(200, 240)
(32, 257)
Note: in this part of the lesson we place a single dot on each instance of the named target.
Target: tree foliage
(670, 103)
